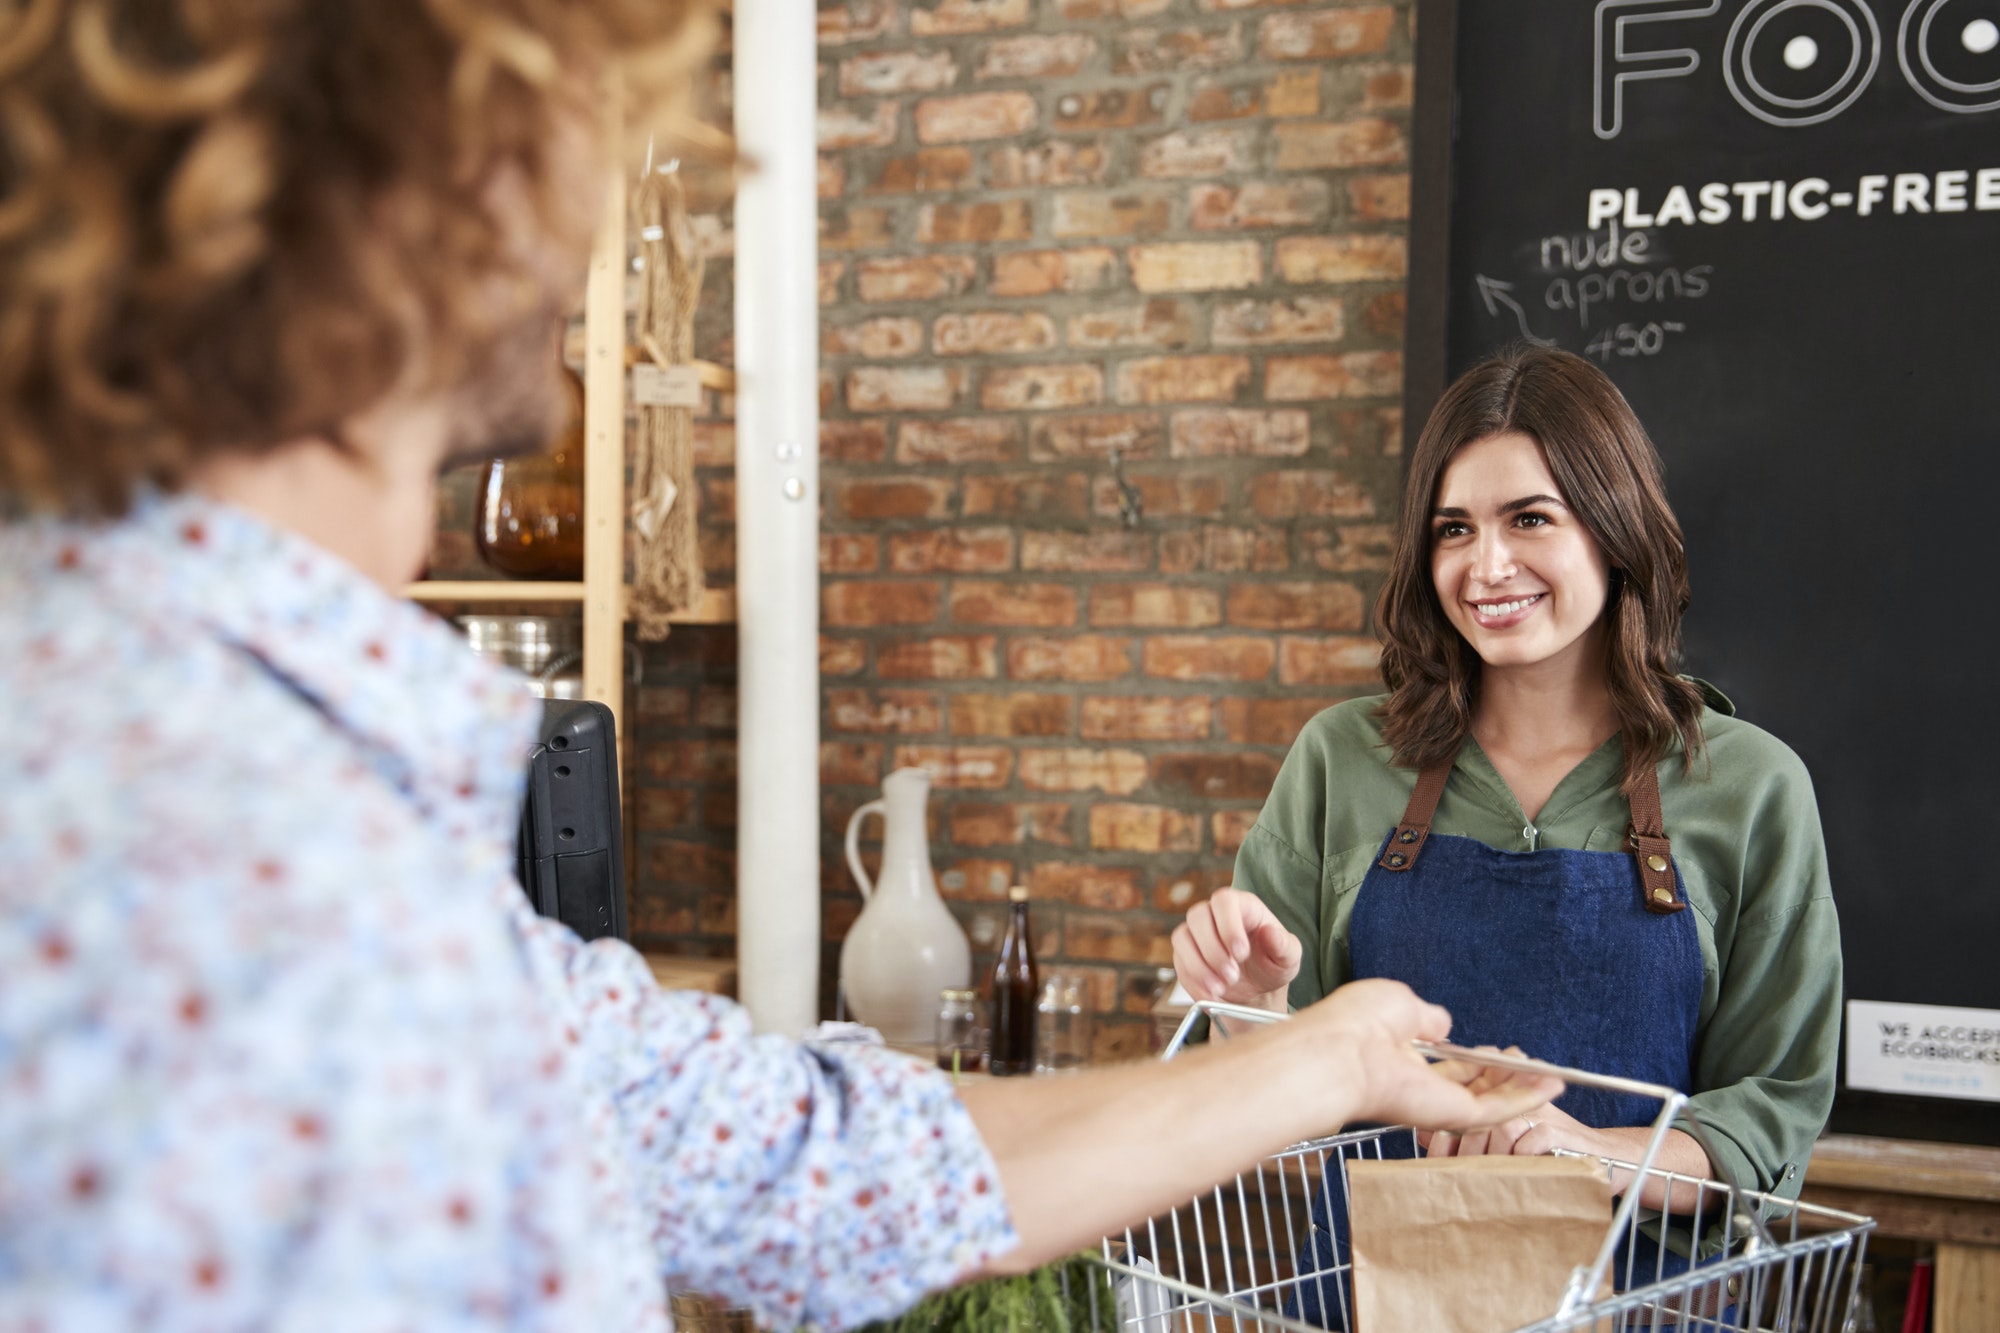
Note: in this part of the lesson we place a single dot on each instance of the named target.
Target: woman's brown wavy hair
(1611, 479)
(225, 224)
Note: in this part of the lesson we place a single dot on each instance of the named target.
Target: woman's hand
(1231, 948)
(1533, 1133)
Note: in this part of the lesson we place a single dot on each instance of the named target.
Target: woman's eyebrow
(1511, 507)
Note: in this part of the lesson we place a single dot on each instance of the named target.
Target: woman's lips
(1502, 615)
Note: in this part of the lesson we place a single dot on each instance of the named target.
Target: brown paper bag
(1471, 1244)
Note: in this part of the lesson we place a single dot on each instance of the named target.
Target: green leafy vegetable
(1073, 1295)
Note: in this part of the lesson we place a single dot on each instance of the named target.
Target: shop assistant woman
(1543, 826)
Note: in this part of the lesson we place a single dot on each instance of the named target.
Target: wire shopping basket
(1246, 1256)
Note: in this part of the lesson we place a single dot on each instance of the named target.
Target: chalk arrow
(1494, 293)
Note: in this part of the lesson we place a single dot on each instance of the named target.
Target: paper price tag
(665, 386)
(1924, 1050)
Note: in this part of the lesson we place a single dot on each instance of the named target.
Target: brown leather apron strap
(1652, 848)
(1408, 839)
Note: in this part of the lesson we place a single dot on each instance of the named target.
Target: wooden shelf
(716, 607)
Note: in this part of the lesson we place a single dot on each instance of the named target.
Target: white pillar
(777, 514)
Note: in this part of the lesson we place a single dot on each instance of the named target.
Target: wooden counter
(1947, 1193)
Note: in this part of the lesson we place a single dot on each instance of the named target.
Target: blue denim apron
(1585, 959)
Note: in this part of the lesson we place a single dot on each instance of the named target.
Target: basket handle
(1584, 1282)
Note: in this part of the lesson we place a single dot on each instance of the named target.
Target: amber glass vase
(531, 508)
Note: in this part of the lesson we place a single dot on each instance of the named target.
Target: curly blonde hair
(225, 224)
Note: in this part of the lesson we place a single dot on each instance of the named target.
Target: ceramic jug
(906, 946)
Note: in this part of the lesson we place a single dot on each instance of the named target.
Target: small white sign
(665, 386)
(1924, 1050)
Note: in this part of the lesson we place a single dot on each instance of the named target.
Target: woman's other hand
(1232, 948)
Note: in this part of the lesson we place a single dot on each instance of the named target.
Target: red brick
(1197, 153)
(718, 808)
(1281, 203)
(856, 21)
(1347, 375)
(1084, 11)
(910, 712)
(955, 16)
(1281, 495)
(1087, 552)
(1156, 323)
(914, 278)
(1326, 35)
(1058, 162)
(1362, 431)
(1152, 51)
(1318, 145)
(1298, 319)
(690, 760)
(969, 116)
(940, 657)
(1038, 56)
(1179, 891)
(1293, 93)
(863, 602)
(1335, 660)
(846, 442)
(1175, 494)
(1241, 432)
(873, 338)
(886, 73)
(851, 763)
(1133, 434)
(661, 808)
(1384, 314)
(1038, 605)
(1153, 606)
(958, 440)
(1183, 379)
(716, 707)
(1111, 213)
(974, 880)
(1217, 777)
(842, 127)
(1039, 495)
(832, 178)
(1379, 198)
(1215, 100)
(952, 551)
(718, 493)
(1190, 266)
(1351, 548)
(841, 657)
(849, 552)
(927, 169)
(671, 704)
(1107, 887)
(687, 864)
(1012, 714)
(903, 388)
(717, 546)
(854, 229)
(1079, 768)
(962, 766)
(993, 332)
(1270, 721)
(1112, 108)
(1039, 272)
(1204, 657)
(996, 824)
(1388, 88)
(1319, 604)
(1230, 828)
(715, 444)
(1121, 937)
(1012, 388)
(1164, 717)
(1367, 257)
(1082, 657)
(990, 220)
(863, 499)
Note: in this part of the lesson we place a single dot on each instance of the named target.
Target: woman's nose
(1493, 560)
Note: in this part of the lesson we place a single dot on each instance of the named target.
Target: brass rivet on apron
(1656, 863)
(1407, 835)
(1663, 895)
(1397, 859)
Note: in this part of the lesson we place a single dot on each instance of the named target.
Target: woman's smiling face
(1518, 574)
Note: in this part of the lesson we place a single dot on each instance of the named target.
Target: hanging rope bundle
(666, 575)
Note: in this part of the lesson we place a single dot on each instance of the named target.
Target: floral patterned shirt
(282, 1045)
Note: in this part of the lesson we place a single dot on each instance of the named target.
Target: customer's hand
(1232, 948)
(1367, 1027)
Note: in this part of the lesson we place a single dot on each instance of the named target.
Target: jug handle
(854, 848)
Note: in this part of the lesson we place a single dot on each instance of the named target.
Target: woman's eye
(1532, 520)
(1445, 530)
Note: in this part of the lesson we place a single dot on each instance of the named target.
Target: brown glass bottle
(1016, 983)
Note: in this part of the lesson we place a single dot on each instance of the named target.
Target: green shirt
(1746, 838)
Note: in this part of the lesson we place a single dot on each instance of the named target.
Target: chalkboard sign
(1776, 224)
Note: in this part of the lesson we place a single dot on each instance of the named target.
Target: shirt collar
(448, 728)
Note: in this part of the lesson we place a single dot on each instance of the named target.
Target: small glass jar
(960, 1048)
(1062, 1025)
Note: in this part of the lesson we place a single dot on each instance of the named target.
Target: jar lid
(957, 993)
(1018, 894)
